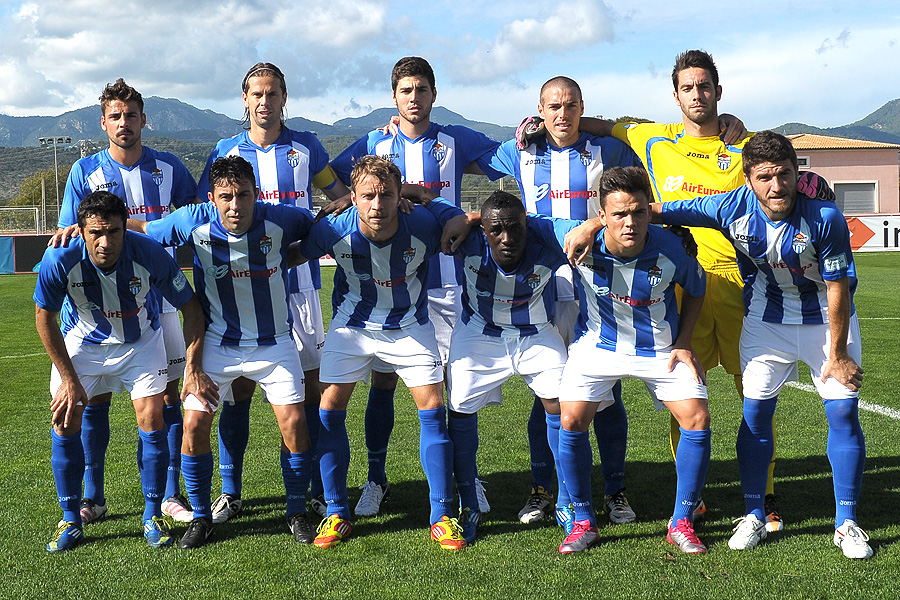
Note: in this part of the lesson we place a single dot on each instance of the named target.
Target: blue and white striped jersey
(629, 304)
(436, 159)
(284, 174)
(784, 264)
(377, 286)
(115, 307)
(561, 182)
(241, 280)
(511, 304)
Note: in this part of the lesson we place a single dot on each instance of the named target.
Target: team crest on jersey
(439, 151)
(724, 161)
(533, 281)
(408, 255)
(654, 275)
(800, 242)
(157, 176)
(265, 244)
(134, 285)
(293, 158)
(585, 157)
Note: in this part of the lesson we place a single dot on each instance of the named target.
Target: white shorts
(444, 309)
(591, 373)
(275, 368)
(139, 368)
(307, 329)
(479, 364)
(565, 316)
(350, 354)
(770, 353)
(173, 336)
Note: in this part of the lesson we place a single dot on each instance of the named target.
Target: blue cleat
(469, 520)
(68, 535)
(565, 517)
(157, 534)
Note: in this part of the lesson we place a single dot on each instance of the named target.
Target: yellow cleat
(448, 534)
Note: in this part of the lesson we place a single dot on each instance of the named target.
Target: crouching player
(107, 283)
(631, 327)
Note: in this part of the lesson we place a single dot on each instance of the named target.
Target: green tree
(30, 188)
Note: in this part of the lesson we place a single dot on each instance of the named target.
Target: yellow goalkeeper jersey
(683, 167)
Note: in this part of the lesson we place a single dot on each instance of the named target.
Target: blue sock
(542, 466)
(334, 460)
(67, 463)
(95, 438)
(691, 464)
(553, 428)
(174, 424)
(576, 460)
(313, 424)
(197, 471)
(436, 454)
(296, 468)
(379, 425)
(755, 446)
(464, 435)
(611, 429)
(847, 455)
(234, 433)
(154, 462)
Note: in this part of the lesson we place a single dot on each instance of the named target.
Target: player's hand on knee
(64, 401)
(845, 371)
(688, 357)
(203, 388)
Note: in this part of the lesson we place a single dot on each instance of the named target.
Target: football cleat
(748, 532)
(303, 529)
(226, 507)
(197, 533)
(539, 505)
(483, 504)
(91, 512)
(682, 535)
(469, 520)
(618, 509)
(699, 510)
(852, 540)
(583, 536)
(157, 534)
(370, 501)
(565, 517)
(773, 519)
(67, 536)
(332, 531)
(318, 505)
(448, 534)
(178, 508)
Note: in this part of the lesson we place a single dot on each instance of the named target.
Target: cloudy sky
(826, 63)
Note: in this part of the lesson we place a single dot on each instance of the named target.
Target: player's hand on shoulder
(528, 129)
(814, 186)
(392, 127)
(688, 357)
(732, 128)
(579, 241)
(335, 207)
(456, 230)
(62, 237)
(687, 239)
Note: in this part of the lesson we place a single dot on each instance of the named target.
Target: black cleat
(197, 533)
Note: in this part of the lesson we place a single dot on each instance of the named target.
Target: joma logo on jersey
(212, 243)
(390, 156)
(83, 284)
(724, 161)
(439, 151)
(265, 244)
(157, 176)
(533, 281)
(799, 242)
(477, 272)
(134, 285)
(697, 155)
(408, 255)
(654, 275)
(106, 186)
(585, 157)
(743, 237)
(352, 255)
(536, 161)
(293, 158)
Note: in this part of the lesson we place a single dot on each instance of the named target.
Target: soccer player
(241, 275)
(632, 328)
(287, 164)
(107, 284)
(799, 279)
(434, 156)
(381, 318)
(152, 183)
(558, 175)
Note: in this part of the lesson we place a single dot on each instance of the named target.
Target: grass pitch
(391, 556)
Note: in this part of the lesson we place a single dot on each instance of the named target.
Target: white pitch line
(24, 355)
(875, 408)
(879, 318)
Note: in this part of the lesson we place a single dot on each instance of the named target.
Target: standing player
(434, 156)
(107, 283)
(287, 164)
(558, 175)
(632, 328)
(380, 317)
(240, 271)
(799, 278)
(152, 183)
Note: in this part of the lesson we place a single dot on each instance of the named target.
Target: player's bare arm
(196, 381)
(136, 225)
(840, 365)
(578, 242)
(70, 391)
(456, 230)
(681, 349)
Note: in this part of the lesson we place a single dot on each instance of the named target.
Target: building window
(856, 198)
(803, 162)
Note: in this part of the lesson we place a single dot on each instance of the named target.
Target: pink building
(865, 175)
